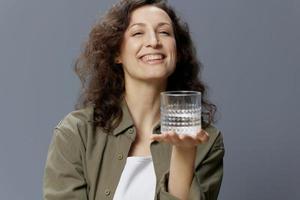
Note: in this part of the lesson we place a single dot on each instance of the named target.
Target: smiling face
(148, 50)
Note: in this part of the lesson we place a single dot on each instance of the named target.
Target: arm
(63, 176)
(206, 175)
(181, 171)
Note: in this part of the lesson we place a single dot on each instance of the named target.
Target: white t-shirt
(137, 180)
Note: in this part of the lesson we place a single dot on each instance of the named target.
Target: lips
(152, 58)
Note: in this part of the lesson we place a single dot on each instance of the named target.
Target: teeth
(152, 57)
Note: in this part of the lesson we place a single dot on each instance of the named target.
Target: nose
(152, 40)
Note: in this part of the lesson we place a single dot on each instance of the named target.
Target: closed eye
(137, 33)
(164, 33)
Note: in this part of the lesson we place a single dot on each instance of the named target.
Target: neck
(143, 100)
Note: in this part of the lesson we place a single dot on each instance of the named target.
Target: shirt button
(107, 192)
(130, 131)
(120, 156)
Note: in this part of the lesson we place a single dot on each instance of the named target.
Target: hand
(181, 140)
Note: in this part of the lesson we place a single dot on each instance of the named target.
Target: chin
(159, 73)
(157, 77)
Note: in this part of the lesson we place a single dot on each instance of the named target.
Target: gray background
(250, 50)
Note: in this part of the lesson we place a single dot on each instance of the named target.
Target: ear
(118, 59)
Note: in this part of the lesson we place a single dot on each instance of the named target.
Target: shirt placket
(122, 143)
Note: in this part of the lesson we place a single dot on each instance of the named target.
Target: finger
(174, 138)
(163, 137)
(189, 139)
(155, 137)
(168, 137)
(203, 136)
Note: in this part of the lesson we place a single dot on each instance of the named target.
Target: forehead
(149, 14)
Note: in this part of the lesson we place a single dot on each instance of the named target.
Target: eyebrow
(142, 24)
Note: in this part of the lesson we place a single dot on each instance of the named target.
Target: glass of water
(181, 112)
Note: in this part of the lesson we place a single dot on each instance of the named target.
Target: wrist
(186, 154)
(191, 149)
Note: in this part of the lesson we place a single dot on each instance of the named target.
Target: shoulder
(215, 137)
(68, 144)
(76, 125)
(77, 119)
(211, 129)
(215, 143)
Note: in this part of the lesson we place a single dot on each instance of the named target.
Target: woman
(111, 146)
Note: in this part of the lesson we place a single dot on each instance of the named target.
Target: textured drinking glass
(181, 111)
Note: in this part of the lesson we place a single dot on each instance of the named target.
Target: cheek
(133, 45)
(173, 51)
(128, 48)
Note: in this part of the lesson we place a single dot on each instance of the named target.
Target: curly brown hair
(103, 80)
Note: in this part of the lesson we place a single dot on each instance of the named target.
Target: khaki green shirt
(84, 163)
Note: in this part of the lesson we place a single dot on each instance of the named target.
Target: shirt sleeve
(163, 193)
(63, 175)
(207, 178)
(209, 174)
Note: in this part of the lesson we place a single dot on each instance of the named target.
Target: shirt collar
(126, 121)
